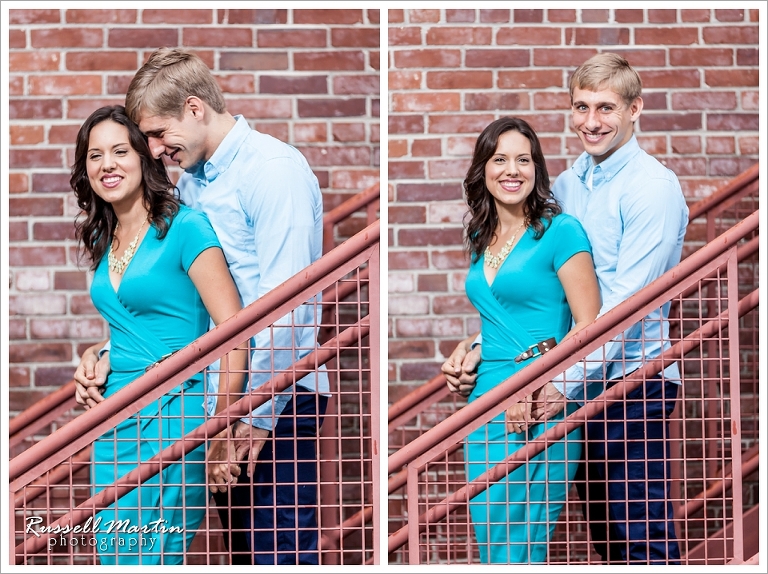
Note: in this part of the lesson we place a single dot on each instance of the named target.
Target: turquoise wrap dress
(514, 519)
(155, 311)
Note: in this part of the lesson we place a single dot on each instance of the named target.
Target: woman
(159, 277)
(531, 278)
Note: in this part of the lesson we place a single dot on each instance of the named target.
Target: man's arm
(652, 223)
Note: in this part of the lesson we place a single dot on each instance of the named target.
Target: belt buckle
(156, 363)
(534, 350)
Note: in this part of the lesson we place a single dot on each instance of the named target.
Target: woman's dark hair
(95, 231)
(482, 216)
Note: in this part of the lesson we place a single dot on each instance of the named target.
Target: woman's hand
(518, 416)
(223, 467)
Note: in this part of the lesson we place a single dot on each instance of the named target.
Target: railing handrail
(565, 354)
(194, 357)
(366, 197)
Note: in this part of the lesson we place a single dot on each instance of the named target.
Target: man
(635, 215)
(265, 205)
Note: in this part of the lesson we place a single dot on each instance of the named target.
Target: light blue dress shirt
(266, 207)
(635, 216)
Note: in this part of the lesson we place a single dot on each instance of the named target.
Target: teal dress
(514, 519)
(156, 310)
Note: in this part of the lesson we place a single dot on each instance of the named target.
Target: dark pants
(272, 519)
(627, 464)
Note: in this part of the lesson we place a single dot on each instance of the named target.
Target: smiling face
(603, 120)
(182, 140)
(113, 166)
(510, 174)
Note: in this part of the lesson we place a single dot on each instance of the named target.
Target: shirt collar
(225, 153)
(609, 167)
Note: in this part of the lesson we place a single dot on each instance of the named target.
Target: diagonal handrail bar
(584, 342)
(745, 179)
(193, 439)
(192, 359)
(576, 419)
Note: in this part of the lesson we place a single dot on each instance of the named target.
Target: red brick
(96, 16)
(498, 58)
(405, 169)
(26, 135)
(459, 35)
(666, 122)
(530, 79)
(408, 305)
(428, 191)
(82, 108)
(733, 122)
(750, 100)
(51, 16)
(374, 16)
(594, 15)
(348, 132)
(427, 58)
(410, 80)
(729, 78)
(529, 36)
(149, 38)
(496, 100)
(37, 61)
(37, 109)
(32, 280)
(53, 376)
(704, 100)
(701, 57)
(374, 59)
(405, 124)
(287, 37)
(730, 166)
(731, 35)
(263, 16)
(53, 231)
(334, 156)
(253, 61)
(531, 15)
(355, 180)
(218, 37)
(411, 349)
(686, 166)
(81, 305)
(438, 327)
(686, 144)
(551, 101)
(48, 352)
(330, 107)
(330, 16)
(66, 328)
(624, 16)
(395, 15)
(447, 169)
(423, 16)
(721, 145)
(356, 84)
(34, 158)
(16, 86)
(689, 78)
(459, 80)
(404, 36)
(19, 376)
(696, 15)
(66, 38)
(70, 281)
(725, 15)
(559, 57)
(235, 84)
(64, 85)
(473, 124)
(101, 60)
(175, 16)
(262, 108)
(355, 37)
(293, 85)
(747, 57)
(37, 304)
(460, 15)
(310, 132)
(661, 16)
(451, 305)
(426, 148)
(749, 145)
(33, 256)
(407, 259)
(563, 15)
(406, 214)
(494, 16)
(667, 36)
(326, 61)
(595, 36)
(421, 371)
(433, 282)
(24, 206)
(17, 329)
(20, 400)
(461, 145)
(426, 101)
(17, 40)
(397, 148)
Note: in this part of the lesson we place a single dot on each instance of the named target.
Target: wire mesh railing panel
(159, 481)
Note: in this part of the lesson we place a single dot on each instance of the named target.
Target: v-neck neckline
(498, 270)
(116, 289)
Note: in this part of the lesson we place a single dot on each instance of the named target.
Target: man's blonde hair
(163, 84)
(607, 70)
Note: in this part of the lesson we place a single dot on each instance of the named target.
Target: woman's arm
(210, 274)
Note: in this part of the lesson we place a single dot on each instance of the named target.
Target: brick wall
(309, 77)
(453, 71)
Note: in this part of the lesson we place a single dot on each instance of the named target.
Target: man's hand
(223, 465)
(90, 375)
(547, 402)
(518, 416)
(460, 369)
(248, 441)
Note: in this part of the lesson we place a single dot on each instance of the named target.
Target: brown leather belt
(535, 350)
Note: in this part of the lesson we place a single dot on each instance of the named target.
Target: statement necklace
(119, 265)
(493, 261)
